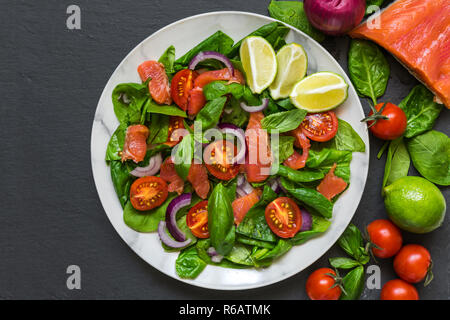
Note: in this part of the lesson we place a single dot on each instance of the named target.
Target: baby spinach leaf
(284, 148)
(353, 283)
(254, 224)
(286, 104)
(234, 114)
(152, 107)
(168, 59)
(276, 38)
(253, 242)
(319, 226)
(310, 198)
(240, 254)
(122, 180)
(281, 248)
(115, 145)
(421, 111)
(128, 100)
(159, 129)
(397, 162)
(219, 42)
(209, 116)
(203, 245)
(430, 154)
(216, 89)
(324, 159)
(368, 68)
(343, 263)
(352, 243)
(292, 12)
(184, 152)
(299, 176)
(188, 264)
(221, 220)
(145, 221)
(346, 139)
(283, 121)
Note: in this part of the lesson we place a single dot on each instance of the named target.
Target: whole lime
(415, 204)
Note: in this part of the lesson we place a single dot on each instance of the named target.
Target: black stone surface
(51, 217)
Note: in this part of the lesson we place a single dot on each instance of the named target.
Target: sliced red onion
(167, 240)
(306, 220)
(231, 129)
(275, 185)
(247, 187)
(240, 192)
(204, 55)
(171, 215)
(217, 258)
(211, 251)
(261, 107)
(153, 167)
(240, 179)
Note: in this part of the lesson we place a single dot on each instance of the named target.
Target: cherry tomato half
(385, 235)
(399, 290)
(182, 83)
(173, 136)
(412, 263)
(320, 127)
(284, 217)
(218, 158)
(391, 128)
(147, 193)
(319, 285)
(197, 220)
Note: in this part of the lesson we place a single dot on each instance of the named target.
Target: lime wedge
(259, 63)
(292, 64)
(319, 92)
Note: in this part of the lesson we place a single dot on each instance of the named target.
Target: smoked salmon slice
(158, 86)
(331, 185)
(243, 204)
(417, 33)
(135, 145)
(169, 174)
(198, 177)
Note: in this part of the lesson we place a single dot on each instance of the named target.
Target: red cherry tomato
(147, 193)
(319, 285)
(399, 290)
(412, 263)
(320, 127)
(218, 158)
(174, 136)
(284, 217)
(391, 128)
(197, 220)
(385, 235)
(182, 83)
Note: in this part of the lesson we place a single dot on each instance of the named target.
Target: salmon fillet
(417, 33)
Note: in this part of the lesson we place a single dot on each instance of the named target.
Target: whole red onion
(335, 17)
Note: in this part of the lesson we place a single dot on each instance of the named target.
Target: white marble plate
(184, 35)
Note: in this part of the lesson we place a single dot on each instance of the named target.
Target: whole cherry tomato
(399, 290)
(386, 236)
(319, 285)
(388, 122)
(413, 263)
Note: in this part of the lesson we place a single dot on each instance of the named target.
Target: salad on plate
(232, 153)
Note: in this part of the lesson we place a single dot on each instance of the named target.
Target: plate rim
(192, 281)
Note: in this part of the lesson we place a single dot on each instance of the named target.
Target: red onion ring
(171, 215)
(231, 129)
(306, 220)
(240, 192)
(168, 241)
(204, 55)
(153, 167)
(261, 107)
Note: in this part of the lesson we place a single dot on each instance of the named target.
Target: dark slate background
(51, 216)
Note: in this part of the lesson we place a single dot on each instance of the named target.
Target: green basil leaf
(209, 116)
(292, 12)
(188, 264)
(240, 254)
(283, 121)
(352, 243)
(284, 149)
(128, 100)
(368, 69)
(430, 154)
(159, 129)
(346, 139)
(168, 60)
(299, 176)
(234, 114)
(319, 226)
(184, 153)
(122, 180)
(115, 145)
(152, 107)
(343, 263)
(397, 162)
(421, 111)
(324, 159)
(221, 220)
(310, 198)
(280, 249)
(276, 37)
(145, 221)
(253, 242)
(353, 283)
